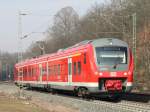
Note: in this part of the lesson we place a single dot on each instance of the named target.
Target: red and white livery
(92, 66)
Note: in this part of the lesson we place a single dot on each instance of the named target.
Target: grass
(14, 105)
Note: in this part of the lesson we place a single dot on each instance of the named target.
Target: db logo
(113, 74)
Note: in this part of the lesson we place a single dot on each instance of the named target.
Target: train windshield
(111, 55)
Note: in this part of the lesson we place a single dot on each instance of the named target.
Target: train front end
(114, 65)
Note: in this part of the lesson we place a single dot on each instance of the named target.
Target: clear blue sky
(38, 21)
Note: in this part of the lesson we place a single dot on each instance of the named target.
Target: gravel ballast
(65, 103)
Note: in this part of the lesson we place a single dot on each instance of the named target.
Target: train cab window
(84, 58)
(74, 68)
(111, 55)
(79, 67)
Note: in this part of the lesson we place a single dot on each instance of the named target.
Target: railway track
(5, 82)
(132, 107)
(92, 104)
(122, 105)
(128, 106)
(137, 105)
(125, 105)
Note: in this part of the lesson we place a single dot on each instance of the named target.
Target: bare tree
(65, 22)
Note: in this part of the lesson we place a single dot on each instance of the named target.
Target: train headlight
(125, 73)
(110, 43)
(129, 73)
(100, 74)
(96, 73)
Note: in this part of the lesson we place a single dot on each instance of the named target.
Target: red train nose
(113, 85)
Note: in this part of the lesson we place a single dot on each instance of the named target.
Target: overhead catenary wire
(36, 30)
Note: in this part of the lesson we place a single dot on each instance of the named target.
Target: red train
(92, 66)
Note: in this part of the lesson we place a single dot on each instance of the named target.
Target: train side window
(79, 67)
(69, 68)
(24, 71)
(62, 69)
(43, 71)
(84, 58)
(55, 69)
(59, 69)
(49, 70)
(29, 71)
(75, 69)
(34, 71)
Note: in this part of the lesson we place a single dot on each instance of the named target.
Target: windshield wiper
(115, 66)
(117, 62)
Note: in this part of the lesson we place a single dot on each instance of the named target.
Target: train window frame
(44, 71)
(49, 70)
(84, 60)
(34, 71)
(29, 71)
(74, 68)
(114, 48)
(21, 71)
(69, 68)
(24, 71)
(52, 70)
(59, 69)
(79, 67)
(40, 70)
(55, 69)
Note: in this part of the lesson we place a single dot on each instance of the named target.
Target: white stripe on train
(93, 84)
(85, 84)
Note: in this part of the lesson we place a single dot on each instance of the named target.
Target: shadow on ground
(137, 97)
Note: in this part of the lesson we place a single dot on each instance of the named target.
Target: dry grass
(8, 104)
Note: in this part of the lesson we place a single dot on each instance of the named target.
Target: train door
(40, 73)
(20, 74)
(69, 70)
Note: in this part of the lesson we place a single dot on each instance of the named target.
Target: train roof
(109, 42)
(80, 45)
(99, 42)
